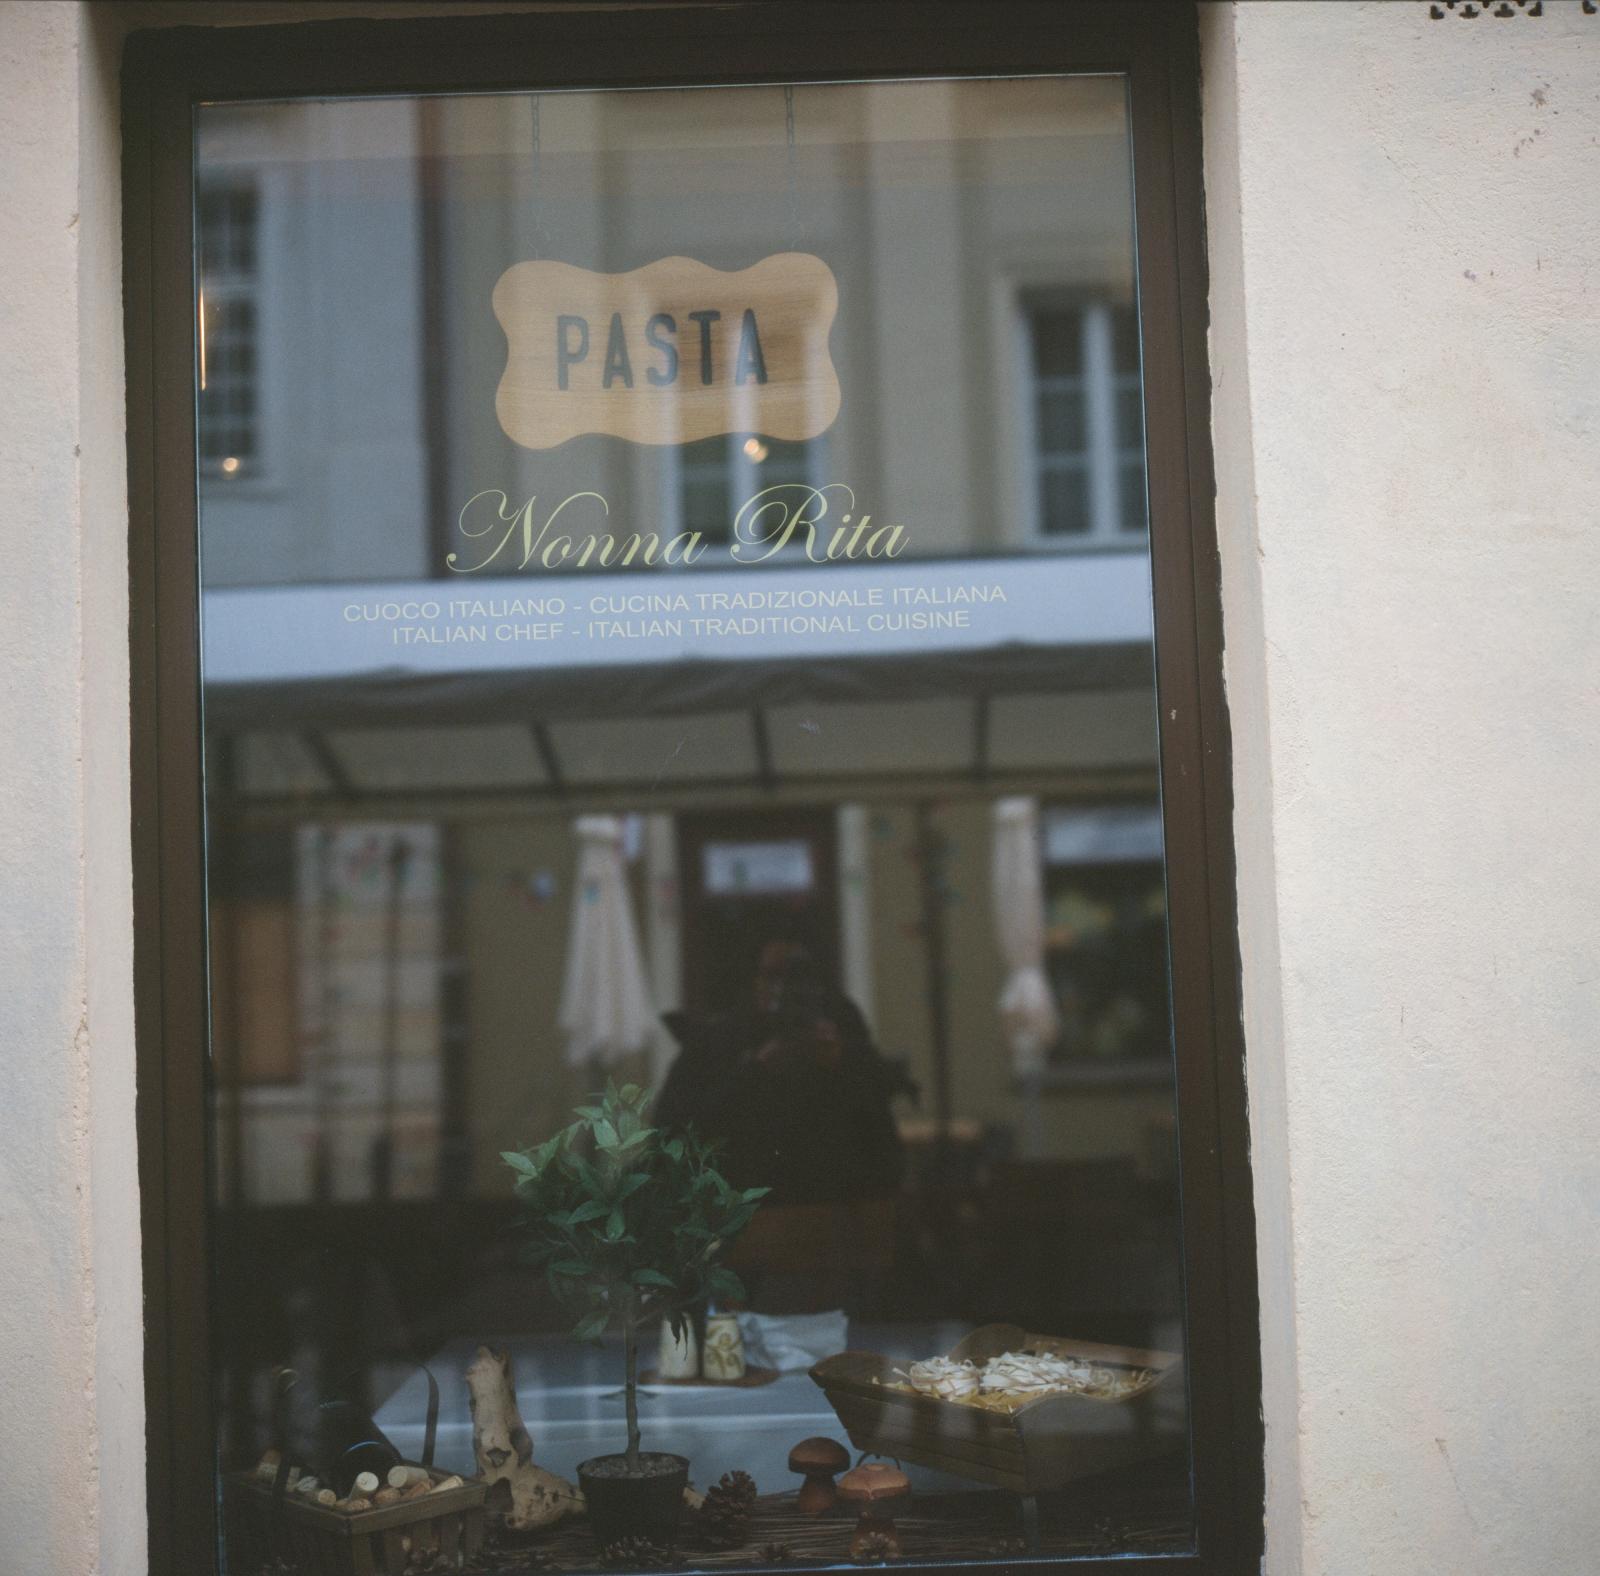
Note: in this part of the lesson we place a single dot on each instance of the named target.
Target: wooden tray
(1041, 1445)
(377, 1542)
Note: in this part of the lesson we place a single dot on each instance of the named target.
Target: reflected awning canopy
(1052, 672)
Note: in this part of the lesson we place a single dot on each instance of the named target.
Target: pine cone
(725, 1516)
(873, 1548)
(637, 1554)
(777, 1553)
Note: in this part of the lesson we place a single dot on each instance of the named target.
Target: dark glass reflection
(855, 861)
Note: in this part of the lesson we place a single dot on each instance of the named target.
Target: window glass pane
(706, 486)
(777, 461)
(226, 218)
(1065, 500)
(672, 666)
(1061, 421)
(1058, 343)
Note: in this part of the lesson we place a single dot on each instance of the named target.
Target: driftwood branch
(503, 1449)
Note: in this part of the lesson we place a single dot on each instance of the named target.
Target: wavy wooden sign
(668, 353)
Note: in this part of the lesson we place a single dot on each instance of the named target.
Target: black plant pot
(624, 1504)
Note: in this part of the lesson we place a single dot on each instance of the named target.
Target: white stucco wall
(71, 1352)
(1404, 223)
(1406, 350)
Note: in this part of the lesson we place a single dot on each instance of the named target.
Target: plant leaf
(726, 1285)
(621, 1215)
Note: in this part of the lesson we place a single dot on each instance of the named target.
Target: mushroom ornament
(817, 1460)
(874, 1486)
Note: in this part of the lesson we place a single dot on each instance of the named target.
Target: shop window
(1106, 919)
(227, 225)
(1085, 404)
(326, 1016)
(757, 1026)
(737, 868)
(711, 477)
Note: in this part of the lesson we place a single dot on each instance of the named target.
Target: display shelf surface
(1128, 1512)
(571, 1400)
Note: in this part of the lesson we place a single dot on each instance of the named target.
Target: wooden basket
(1042, 1444)
(447, 1523)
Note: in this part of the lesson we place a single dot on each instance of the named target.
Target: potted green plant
(628, 1221)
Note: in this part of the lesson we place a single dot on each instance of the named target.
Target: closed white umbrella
(1027, 1004)
(606, 1011)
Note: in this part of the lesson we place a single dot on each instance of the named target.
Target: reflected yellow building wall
(1080, 1124)
(519, 1086)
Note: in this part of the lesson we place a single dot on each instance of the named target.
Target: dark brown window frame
(167, 72)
